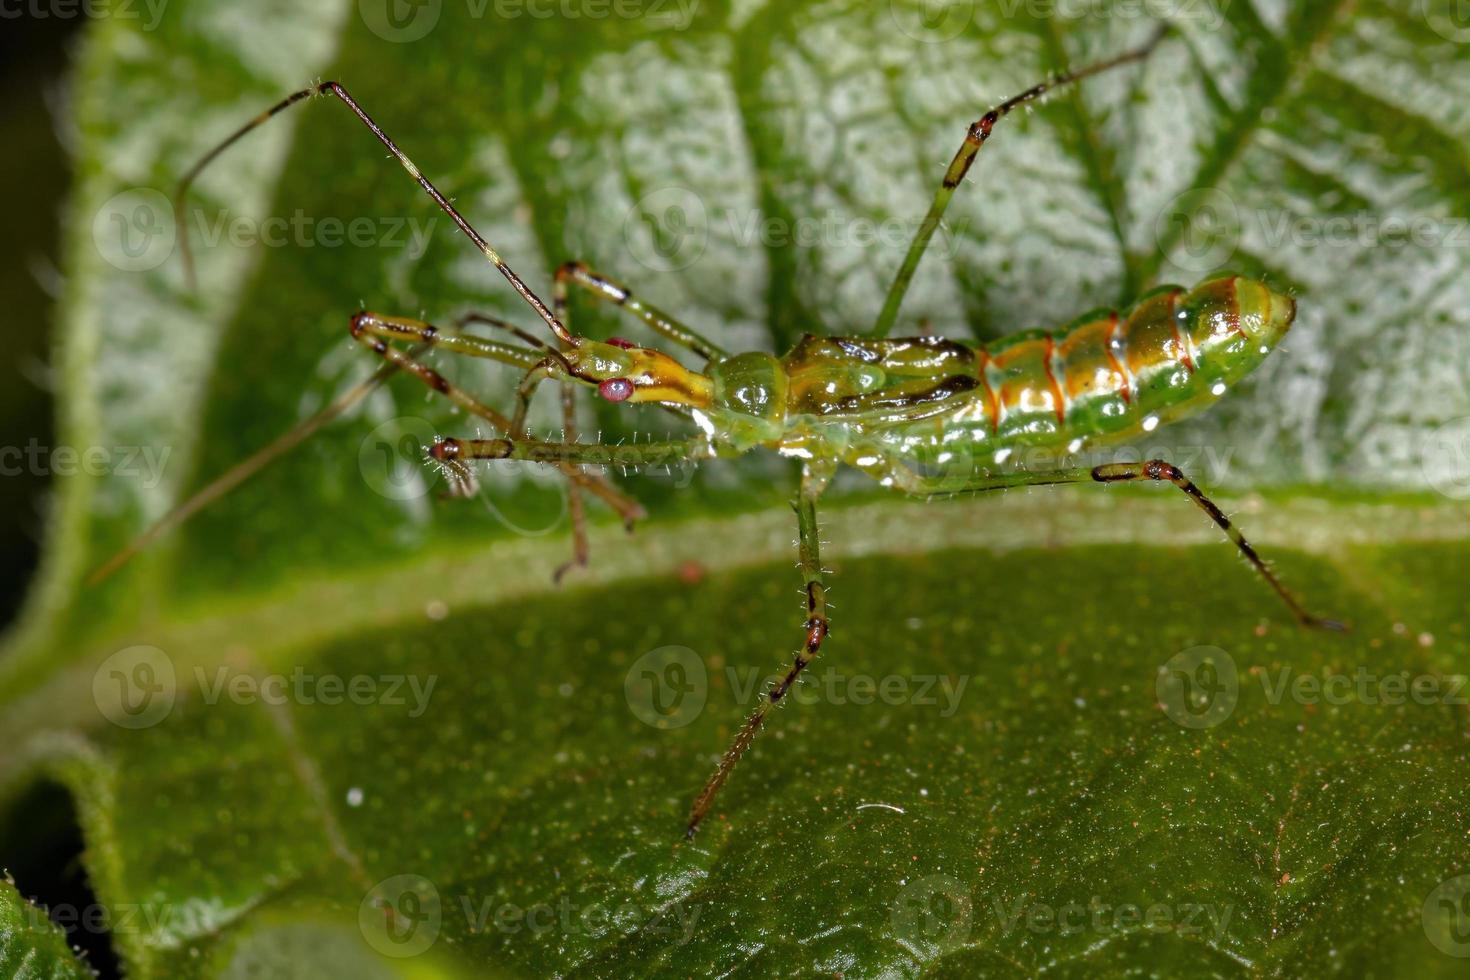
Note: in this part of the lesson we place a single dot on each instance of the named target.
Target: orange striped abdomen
(1110, 375)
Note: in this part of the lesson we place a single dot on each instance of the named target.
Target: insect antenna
(335, 89)
(247, 468)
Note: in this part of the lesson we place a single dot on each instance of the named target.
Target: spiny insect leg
(576, 509)
(626, 507)
(580, 453)
(1154, 470)
(372, 331)
(612, 291)
(1158, 469)
(816, 628)
(975, 138)
(335, 89)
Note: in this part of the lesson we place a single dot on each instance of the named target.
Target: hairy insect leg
(975, 137)
(1154, 470)
(583, 453)
(341, 94)
(576, 509)
(626, 507)
(816, 628)
(568, 456)
(373, 331)
(612, 291)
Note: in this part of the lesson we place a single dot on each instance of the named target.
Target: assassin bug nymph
(895, 409)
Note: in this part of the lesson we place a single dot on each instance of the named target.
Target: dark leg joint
(816, 632)
(980, 130)
(570, 270)
(1157, 469)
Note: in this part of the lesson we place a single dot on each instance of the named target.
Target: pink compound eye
(621, 342)
(616, 389)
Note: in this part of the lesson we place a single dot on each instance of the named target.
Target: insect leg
(585, 453)
(975, 138)
(1153, 470)
(576, 509)
(372, 331)
(626, 507)
(816, 628)
(614, 292)
(335, 89)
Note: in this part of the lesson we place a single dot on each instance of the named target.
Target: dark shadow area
(41, 847)
(34, 57)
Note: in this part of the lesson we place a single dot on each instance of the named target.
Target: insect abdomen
(1108, 375)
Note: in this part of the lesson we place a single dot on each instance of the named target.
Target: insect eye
(622, 342)
(616, 389)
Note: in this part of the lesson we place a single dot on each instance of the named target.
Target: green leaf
(31, 946)
(332, 721)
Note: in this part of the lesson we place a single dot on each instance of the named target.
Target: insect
(901, 410)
